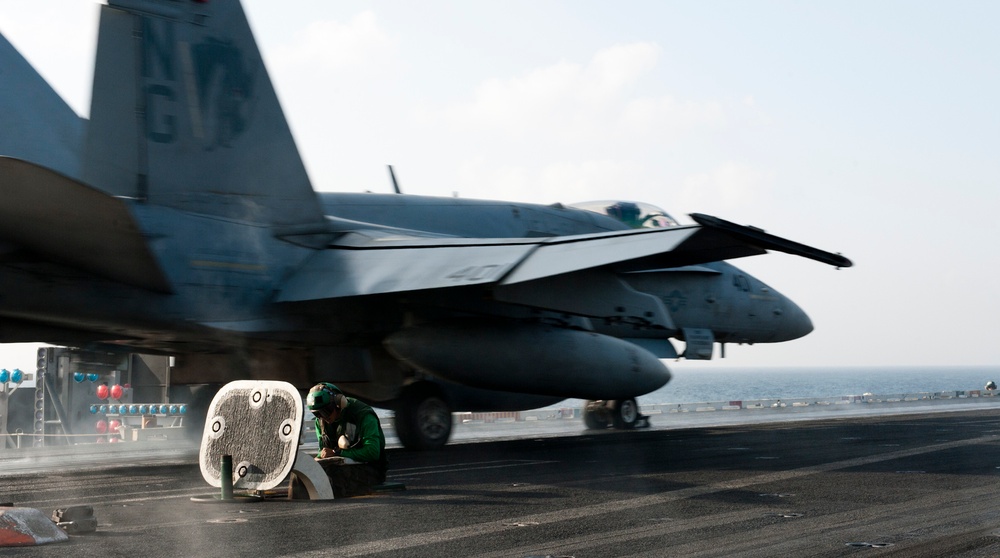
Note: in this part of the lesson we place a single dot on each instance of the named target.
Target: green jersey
(359, 423)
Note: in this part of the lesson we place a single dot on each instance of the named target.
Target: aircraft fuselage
(735, 306)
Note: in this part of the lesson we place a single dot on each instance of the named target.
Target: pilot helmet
(626, 212)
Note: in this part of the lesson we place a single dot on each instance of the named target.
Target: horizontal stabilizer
(68, 222)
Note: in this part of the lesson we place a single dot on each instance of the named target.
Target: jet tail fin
(184, 115)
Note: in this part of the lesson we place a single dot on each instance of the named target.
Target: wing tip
(759, 237)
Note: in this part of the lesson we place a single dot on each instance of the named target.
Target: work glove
(328, 452)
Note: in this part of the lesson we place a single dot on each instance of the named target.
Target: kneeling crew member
(348, 428)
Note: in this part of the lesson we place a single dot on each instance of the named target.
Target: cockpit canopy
(637, 215)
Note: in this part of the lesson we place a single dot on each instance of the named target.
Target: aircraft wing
(362, 265)
(366, 263)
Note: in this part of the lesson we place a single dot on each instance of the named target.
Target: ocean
(691, 384)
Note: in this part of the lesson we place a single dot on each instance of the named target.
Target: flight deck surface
(916, 485)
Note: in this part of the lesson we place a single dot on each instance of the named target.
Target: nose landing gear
(622, 414)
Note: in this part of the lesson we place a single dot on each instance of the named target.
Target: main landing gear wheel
(423, 418)
(623, 414)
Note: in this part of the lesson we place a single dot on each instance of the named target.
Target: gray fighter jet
(179, 219)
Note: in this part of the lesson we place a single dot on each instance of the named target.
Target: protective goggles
(326, 412)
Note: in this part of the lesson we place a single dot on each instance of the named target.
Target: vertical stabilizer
(184, 115)
(37, 125)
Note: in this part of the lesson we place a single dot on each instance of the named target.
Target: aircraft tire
(423, 417)
(594, 419)
(624, 413)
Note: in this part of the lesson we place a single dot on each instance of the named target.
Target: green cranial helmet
(321, 396)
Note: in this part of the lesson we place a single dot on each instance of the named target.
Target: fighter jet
(184, 223)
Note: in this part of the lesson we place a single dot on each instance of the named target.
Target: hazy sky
(867, 128)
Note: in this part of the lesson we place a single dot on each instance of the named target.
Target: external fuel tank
(530, 358)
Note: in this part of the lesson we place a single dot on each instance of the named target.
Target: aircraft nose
(795, 322)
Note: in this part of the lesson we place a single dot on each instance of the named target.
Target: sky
(866, 128)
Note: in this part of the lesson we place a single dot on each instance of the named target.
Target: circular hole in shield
(246, 474)
(286, 430)
(216, 427)
(257, 398)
